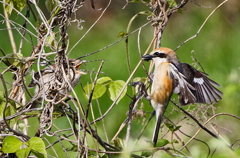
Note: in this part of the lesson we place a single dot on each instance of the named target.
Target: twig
(201, 25)
(121, 91)
(90, 27)
(4, 112)
(19, 13)
(12, 41)
(116, 41)
(194, 119)
(202, 126)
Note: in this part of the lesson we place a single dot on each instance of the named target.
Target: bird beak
(147, 57)
(81, 72)
(78, 63)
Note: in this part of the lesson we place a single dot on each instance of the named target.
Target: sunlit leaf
(16, 60)
(136, 79)
(50, 39)
(162, 142)
(114, 89)
(38, 145)
(9, 8)
(23, 153)
(11, 144)
(99, 90)
(104, 80)
(171, 3)
(17, 4)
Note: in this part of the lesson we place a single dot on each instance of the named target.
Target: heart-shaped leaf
(114, 89)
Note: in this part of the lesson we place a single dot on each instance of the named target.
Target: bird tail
(159, 116)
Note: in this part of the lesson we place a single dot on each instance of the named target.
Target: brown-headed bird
(171, 76)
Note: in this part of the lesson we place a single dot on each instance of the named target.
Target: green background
(217, 48)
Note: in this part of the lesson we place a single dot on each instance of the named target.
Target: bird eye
(160, 55)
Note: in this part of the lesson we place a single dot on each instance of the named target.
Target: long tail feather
(159, 116)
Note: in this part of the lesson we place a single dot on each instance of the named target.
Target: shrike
(171, 76)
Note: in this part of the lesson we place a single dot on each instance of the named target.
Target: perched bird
(51, 82)
(171, 76)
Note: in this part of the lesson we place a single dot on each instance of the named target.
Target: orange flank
(162, 89)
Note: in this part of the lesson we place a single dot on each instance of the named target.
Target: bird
(51, 82)
(171, 76)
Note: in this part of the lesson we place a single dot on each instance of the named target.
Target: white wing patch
(183, 87)
(198, 80)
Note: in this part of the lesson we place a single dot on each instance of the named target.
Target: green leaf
(50, 40)
(146, 153)
(104, 80)
(175, 141)
(11, 144)
(171, 127)
(99, 90)
(118, 143)
(74, 148)
(122, 34)
(92, 154)
(38, 147)
(17, 4)
(50, 5)
(10, 110)
(180, 10)
(171, 3)
(162, 142)
(115, 88)
(177, 128)
(16, 60)
(9, 8)
(23, 153)
(142, 79)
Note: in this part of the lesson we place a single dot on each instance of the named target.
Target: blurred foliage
(216, 48)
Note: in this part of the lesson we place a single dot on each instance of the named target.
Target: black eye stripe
(160, 55)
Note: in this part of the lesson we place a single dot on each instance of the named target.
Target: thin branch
(110, 1)
(115, 42)
(199, 30)
(12, 41)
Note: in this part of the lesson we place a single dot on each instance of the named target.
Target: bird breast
(162, 86)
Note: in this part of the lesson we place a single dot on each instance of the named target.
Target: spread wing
(205, 90)
(182, 87)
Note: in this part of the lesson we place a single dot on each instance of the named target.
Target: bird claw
(148, 97)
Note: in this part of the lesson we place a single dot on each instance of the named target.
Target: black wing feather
(205, 90)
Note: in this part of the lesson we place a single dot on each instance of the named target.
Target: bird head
(162, 54)
(76, 64)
